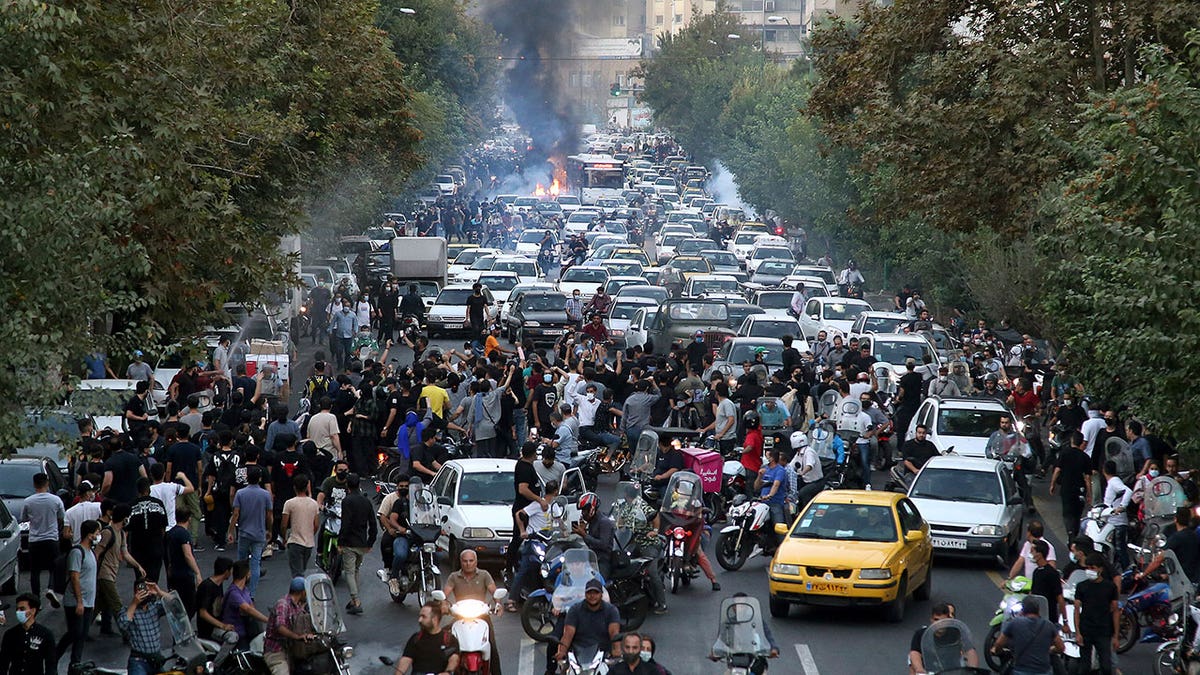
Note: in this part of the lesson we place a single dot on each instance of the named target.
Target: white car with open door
(833, 315)
(620, 316)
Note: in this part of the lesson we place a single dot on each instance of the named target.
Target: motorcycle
(1154, 613)
(746, 535)
(329, 555)
(741, 641)
(1181, 655)
(682, 518)
(578, 663)
(1016, 590)
(1162, 498)
(189, 655)
(471, 631)
(570, 574)
(947, 646)
(420, 574)
(410, 326)
(1097, 525)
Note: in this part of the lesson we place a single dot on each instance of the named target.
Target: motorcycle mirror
(500, 595)
(781, 529)
(440, 596)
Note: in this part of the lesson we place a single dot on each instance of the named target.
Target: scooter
(746, 535)
(578, 663)
(329, 555)
(1016, 590)
(470, 629)
(741, 640)
(1096, 525)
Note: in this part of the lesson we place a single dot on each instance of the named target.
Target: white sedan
(583, 279)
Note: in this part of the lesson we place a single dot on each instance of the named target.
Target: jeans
(400, 548)
(41, 558)
(351, 562)
(248, 548)
(527, 572)
(864, 456)
(1104, 652)
(345, 351)
(632, 434)
(778, 515)
(589, 434)
(658, 592)
(142, 665)
(522, 426)
(298, 557)
(1120, 546)
(485, 447)
(76, 633)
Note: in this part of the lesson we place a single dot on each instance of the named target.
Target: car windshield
(723, 258)
(469, 256)
(588, 274)
(485, 489)
(976, 423)
(697, 311)
(692, 245)
(774, 268)
(896, 353)
(673, 239)
(772, 329)
(773, 253)
(628, 268)
(426, 289)
(881, 324)
(532, 236)
(745, 238)
(954, 485)
(523, 268)
(379, 259)
(499, 283)
(846, 522)
(16, 480)
(654, 292)
(573, 201)
(453, 296)
(774, 300)
(484, 263)
(692, 265)
(338, 265)
(843, 311)
(526, 201)
(743, 350)
(100, 401)
(544, 303)
(626, 310)
(714, 286)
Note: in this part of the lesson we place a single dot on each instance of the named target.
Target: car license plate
(947, 542)
(553, 331)
(452, 325)
(824, 587)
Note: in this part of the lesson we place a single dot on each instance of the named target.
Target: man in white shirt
(323, 430)
(799, 298)
(85, 509)
(805, 471)
(166, 492)
(1024, 562)
(537, 517)
(1091, 429)
(1117, 496)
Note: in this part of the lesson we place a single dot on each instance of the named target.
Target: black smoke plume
(537, 34)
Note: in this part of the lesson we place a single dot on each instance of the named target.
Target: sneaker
(382, 574)
(355, 609)
(268, 552)
(716, 586)
(197, 548)
(868, 487)
(660, 609)
(220, 548)
(394, 586)
(55, 601)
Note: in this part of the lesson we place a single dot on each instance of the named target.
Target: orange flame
(555, 188)
(539, 191)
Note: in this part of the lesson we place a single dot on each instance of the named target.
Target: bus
(593, 177)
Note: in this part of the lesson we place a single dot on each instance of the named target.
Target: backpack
(317, 386)
(62, 565)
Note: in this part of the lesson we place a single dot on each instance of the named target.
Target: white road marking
(806, 660)
(527, 658)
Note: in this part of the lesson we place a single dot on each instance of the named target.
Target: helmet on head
(750, 419)
(588, 500)
(851, 262)
(799, 440)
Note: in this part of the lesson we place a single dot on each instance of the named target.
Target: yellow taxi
(690, 265)
(632, 253)
(853, 548)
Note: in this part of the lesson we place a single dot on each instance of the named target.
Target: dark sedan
(540, 316)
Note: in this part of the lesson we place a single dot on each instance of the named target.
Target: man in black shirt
(389, 299)
(428, 456)
(908, 397)
(1097, 615)
(1185, 543)
(916, 452)
(121, 472)
(1071, 476)
(526, 490)
(28, 647)
(477, 311)
(432, 649)
(916, 663)
(208, 594)
(696, 350)
(146, 526)
(1046, 582)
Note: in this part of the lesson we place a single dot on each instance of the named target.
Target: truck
(419, 259)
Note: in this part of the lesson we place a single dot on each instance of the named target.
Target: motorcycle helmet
(750, 419)
(799, 440)
(588, 500)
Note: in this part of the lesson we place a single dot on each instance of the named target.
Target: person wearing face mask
(632, 662)
(586, 409)
(1097, 614)
(696, 350)
(942, 385)
(389, 300)
(79, 601)
(343, 326)
(1148, 473)
(647, 654)
(543, 402)
(364, 309)
(28, 647)
(574, 309)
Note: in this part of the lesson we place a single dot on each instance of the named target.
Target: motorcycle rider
(849, 277)
(592, 624)
(642, 519)
(916, 452)
(1007, 441)
(599, 303)
(281, 629)
(806, 472)
(598, 531)
(771, 483)
(432, 649)
(632, 662)
(1033, 639)
(472, 583)
(396, 525)
(759, 665)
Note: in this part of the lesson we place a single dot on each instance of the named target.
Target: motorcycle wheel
(672, 579)
(635, 615)
(330, 559)
(714, 505)
(729, 555)
(994, 661)
(1165, 660)
(537, 619)
(428, 585)
(1128, 632)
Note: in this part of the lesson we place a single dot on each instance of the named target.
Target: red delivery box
(706, 464)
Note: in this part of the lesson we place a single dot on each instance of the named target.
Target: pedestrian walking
(1097, 615)
(250, 523)
(1071, 478)
(359, 530)
(183, 573)
(146, 527)
(299, 525)
(79, 599)
(111, 551)
(45, 514)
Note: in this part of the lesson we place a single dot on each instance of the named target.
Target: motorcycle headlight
(429, 548)
(875, 573)
(347, 652)
(988, 530)
(786, 569)
(545, 571)
(477, 533)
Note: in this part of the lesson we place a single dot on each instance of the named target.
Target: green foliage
(154, 154)
(1124, 294)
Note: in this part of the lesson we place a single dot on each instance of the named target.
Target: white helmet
(799, 440)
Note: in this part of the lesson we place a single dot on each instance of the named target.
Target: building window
(769, 35)
(658, 19)
(678, 18)
(574, 79)
(619, 20)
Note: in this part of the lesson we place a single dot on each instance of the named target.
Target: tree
(154, 154)
(1123, 296)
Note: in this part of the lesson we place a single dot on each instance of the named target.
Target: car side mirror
(1015, 500)
(813, 317)
(781, 529)
(6, 534)
(444, 501)
(914, 536)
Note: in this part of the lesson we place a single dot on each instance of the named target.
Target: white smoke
(723, 187)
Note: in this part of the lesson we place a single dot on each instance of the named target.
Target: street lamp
(407, 10)
(734, 36)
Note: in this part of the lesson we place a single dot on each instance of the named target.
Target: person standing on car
(45, 514)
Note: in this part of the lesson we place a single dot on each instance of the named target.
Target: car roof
(108, 383)
(458, 287)
(864, 497)
(24, 459)
(960, 463)
(896, 337)
(878, 314)
(964, 403)
(634, 300)
(500, 273)
(480, 465)
(712, 277)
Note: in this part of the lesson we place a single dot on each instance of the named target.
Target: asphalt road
(812, 640)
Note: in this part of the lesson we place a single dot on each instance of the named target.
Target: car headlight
(532, 323)
(785, 569)
(988, 530)
(616, 332)
(477, 533)
(875, 573)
